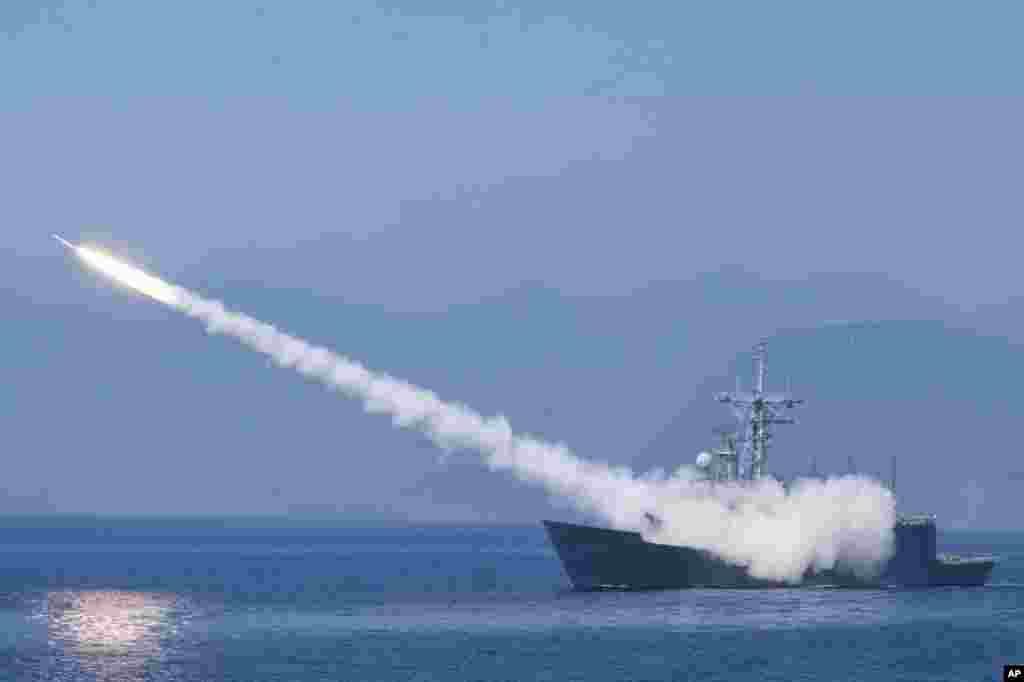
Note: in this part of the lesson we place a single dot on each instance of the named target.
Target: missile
(65, 242)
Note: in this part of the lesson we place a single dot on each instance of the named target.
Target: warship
(597, 558)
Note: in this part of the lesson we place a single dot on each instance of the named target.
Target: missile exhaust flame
(776, 534)
(125, 274)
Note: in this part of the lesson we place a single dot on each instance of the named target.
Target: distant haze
(581, 219)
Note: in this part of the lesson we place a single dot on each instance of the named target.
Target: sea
(254, 600)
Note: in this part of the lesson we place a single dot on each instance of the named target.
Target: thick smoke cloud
(844, 522)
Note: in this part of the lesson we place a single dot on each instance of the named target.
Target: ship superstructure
(602, 558)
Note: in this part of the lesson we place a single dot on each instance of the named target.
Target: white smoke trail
(778, 535)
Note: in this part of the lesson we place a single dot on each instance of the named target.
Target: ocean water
(152, 599)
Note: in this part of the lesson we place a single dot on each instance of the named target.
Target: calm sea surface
(144, 599)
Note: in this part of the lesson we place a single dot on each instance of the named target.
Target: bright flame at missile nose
(128, 275)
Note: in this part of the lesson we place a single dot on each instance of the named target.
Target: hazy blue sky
(577, 214)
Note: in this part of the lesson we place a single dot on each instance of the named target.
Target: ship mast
(758, 411)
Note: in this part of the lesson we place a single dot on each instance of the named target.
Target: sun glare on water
(130, 276)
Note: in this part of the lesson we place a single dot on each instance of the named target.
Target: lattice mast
(758, 411)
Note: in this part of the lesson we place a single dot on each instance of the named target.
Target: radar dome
(704, 460)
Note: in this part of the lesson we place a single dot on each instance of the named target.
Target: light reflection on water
(108, 634)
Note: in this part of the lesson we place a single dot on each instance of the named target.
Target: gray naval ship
(605, 559)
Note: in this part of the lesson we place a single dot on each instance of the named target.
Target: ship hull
(603, 559)
(973, 573)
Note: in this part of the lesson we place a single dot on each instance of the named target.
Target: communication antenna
(851, 466)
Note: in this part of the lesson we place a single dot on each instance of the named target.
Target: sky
(578, 215)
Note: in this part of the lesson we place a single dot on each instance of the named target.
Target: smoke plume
(777, 534)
